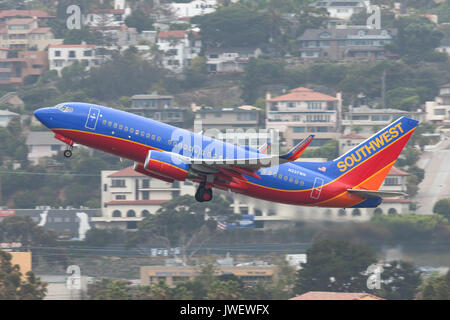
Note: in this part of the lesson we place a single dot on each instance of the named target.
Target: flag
(221, 225)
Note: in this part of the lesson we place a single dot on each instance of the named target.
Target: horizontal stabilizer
(375, 194)
(297, 151)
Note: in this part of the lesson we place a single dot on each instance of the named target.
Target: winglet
(297, 151)
(263, 149)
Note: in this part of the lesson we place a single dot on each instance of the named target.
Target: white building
(64, 55)
(193, 8)
(104, 18)
(343, 9)
(6, 116)
(367, 121)
(229, 60)
(42, 144)
(179, 48)
(438, 111)
(303, 111)
(128, 197)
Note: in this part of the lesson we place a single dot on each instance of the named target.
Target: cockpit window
(64, 108)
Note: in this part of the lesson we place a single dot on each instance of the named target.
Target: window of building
(299, 129)
(145, 195)
(131, 214)
(87, 53)
(72, 54)
(356, 212)
(55, 147)
(146, 183)
(392, 211)
(118, 183)
(117, 214)
(120, 197)
(391, 181)
(145, 213)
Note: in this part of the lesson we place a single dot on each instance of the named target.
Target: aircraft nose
(44, 115)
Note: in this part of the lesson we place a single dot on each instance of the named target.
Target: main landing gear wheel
(203, 194)
(67, 153)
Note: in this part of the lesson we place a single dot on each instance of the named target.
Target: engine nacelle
(162, 163)
(138, 167)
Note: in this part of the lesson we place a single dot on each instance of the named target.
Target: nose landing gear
(203, 193)
(68, 142)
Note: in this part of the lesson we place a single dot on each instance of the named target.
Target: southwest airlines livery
(168, 153)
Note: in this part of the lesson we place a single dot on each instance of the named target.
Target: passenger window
(169, 142)
(109, 123)
(153, 137)
(290, 179)
(296, 181)
(137, 131)
(280, 176)
(104, 122)
(126, 129)
(285, 178)
(131, 130)
(159, 139)
(121, 127)
(142, 133)
(147, 135)
(115, 125)
(274, 175)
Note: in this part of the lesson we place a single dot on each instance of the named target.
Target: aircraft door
(92, 118)
(317, 188)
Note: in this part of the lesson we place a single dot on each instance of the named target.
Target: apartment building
(343, 9)
(127, 197)
(229, 60)
(171, 275)
(179, 47)
(345, 43)
(366, 121)
(438, 111)
(16, 66)
(25, 34)
(6, 116)
(244, 117)
(157, 107)
(64, 55)
(42, 144)
(301, 112)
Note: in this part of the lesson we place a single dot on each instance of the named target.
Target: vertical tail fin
(366, 165)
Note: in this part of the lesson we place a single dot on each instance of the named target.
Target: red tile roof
(135, 202)
(397, 172)
(317, 295)
(71, 46)
(19, 21)
(303, 94)
(127, 172)
(386, 200)
(24, 13)
(172, 34)
(41, 30)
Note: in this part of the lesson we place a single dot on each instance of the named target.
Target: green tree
(335, 266)
(224, 290)
(109, 289)
(442, 207)
(139, 20)
(399, 281)
(14, 287)
(436, 287)
(416, 37)
(233, 26)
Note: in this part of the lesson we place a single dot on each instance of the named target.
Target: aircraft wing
(237, 167)
(375, 194)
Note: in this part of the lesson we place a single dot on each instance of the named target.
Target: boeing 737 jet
(168, 153)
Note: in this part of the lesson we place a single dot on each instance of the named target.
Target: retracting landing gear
(68, 142)
(203, 193)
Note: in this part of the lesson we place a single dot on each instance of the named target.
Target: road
(436, 184)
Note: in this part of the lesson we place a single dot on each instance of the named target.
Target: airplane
(169, 153)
